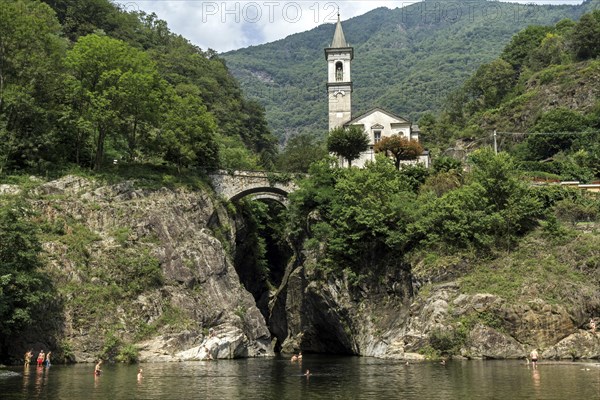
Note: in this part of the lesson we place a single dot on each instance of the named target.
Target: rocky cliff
(139, 266)
(414, 316)
(151, 269)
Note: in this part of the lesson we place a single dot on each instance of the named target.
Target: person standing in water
(139, 375)
(98, 368)
(41, 357)
(534, 357)
(48, 359)
(28, 357)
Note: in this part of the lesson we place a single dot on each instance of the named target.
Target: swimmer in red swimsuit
(41, 357)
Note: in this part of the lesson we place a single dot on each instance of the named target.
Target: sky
(224, 25)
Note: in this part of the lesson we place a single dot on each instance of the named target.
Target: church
(377, 123)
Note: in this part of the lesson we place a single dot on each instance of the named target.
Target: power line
(547, 133)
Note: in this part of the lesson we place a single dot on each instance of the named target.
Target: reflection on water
(330, 378)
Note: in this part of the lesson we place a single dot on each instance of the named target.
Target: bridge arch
(257, 185)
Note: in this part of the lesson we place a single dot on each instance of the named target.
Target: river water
(331, 378)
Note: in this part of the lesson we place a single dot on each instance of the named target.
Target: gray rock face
(379, 321)
(485, 342)
(199, 282)
(581, 344)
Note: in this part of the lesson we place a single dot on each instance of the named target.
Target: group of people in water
(298, 357)
(42, 358)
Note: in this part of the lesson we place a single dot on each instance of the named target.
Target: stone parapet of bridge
(254, 184)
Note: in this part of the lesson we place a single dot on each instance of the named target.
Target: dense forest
(407, 60)
(88, 88)
(541, 96)
(86, 84)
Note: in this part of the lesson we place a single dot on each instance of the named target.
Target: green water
(331, 378)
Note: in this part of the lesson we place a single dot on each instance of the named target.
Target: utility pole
(495, 143)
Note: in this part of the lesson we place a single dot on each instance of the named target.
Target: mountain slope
(407, 60)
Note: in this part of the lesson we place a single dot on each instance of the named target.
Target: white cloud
(226, 25)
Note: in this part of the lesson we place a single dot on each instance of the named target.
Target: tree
(115, 87)
(447, 164)
(551, 51)
(22, 286)
(358, 216)
(256, 134)
(31, 78)
(554, 127)
(187, 136)
(300, 152)
(400, 148)
(348, 142)
(585, 36)
(489, 85)
(492, 210)
(522, 44)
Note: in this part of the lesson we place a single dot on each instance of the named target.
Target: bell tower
(339, 84)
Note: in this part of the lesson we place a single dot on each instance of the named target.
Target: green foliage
(187, 137)
(365, 218)
(492, 210)
(414, 175)
(128, 354)
(110, 347)
(23, 287)
(523, 44)
(114, 349)
(262, 252)
(561, 123)
(489, 85)
(114, 85)
(442, 182)
(31, 77)
(361, 212)
(585, 36)
(447, 342)
(347, 142)
(300, 152)
(134, 271)
(128, 89)
(551, 51)
(447, 164)
(171, 318)
(234, 156)
(577, 210)
(530, 88)
(558, 269)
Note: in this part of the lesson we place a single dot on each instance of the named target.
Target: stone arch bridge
(254, 184)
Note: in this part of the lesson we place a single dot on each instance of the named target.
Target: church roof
(377, 109)
(339, 41)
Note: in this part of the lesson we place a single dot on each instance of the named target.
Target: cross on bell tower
(339, 84)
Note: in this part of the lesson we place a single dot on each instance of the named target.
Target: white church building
(377, 123)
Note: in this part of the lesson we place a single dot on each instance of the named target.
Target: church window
(339, 71)
(376, 136)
